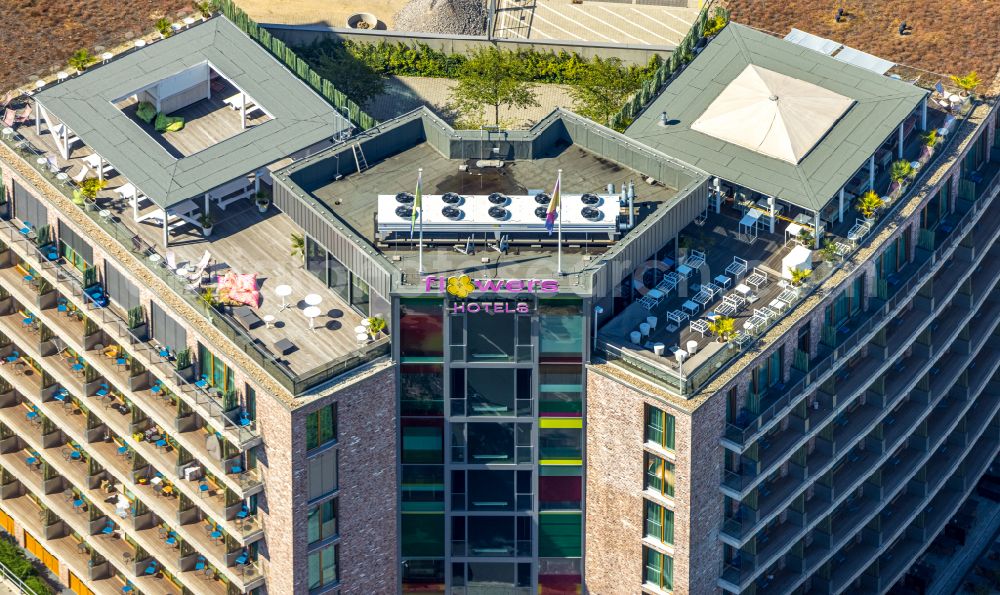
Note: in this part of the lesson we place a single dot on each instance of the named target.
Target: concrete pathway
(604, 22)
(404, 94)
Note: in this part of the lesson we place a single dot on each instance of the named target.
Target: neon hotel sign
(464, 286)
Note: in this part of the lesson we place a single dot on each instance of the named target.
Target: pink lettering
(457, 307)
(515, 285)
(429, 284)
(550, 286)
(472, 307)
(522, 308)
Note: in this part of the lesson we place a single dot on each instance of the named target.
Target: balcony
(738, 437)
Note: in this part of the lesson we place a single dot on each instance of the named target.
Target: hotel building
(544, 411)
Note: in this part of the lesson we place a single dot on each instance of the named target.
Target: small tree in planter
(967, 83)
(88, 190)
(806, 237)
(901, 170)
(80, 60)
(298, 246)
(205, 9)
(800, 275)
(723, 327)
(376, 324)
(137, 322)
(182, 362)
(829, 251)
(163, 27)
(928, 141)
(869, 203)
(262, 200)
(206, 223)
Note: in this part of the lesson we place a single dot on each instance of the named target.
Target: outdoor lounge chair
(703, 296)
(695, 259)
(82, 174)
(699, 326)
(8, 118)
(757, 278)
(247, 318)
(725, 309)
(24, 117)
(737, 268)
(858, 230)
(677, 317)
(171, 260)
(669, 282)
(200, 267)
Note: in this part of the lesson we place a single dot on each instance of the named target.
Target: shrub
(38, 585)
(165, 123)
(146, 111)
(163, 27)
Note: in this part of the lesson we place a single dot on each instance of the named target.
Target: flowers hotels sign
(460, 288)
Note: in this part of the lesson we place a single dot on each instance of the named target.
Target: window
(560, 534)
(218, 373)
(560, 441)
(560, 390)
(421, 389)
(659, 522)
(120, 289)
(660, 427)
(27, 208)
(323, 474)
(74, 248)
(321, 426)
(323, 567)
(658, 569)
(322, 521)
(359, 294)
(491, 442)
(422, 441)
(560, 331)
(421, 327)
(422, 488)
(422, 534)
(659, 475)
(167, 331)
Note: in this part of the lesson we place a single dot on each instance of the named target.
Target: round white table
(942, 131)
(183, 271)
(361, 329)
(140, 43)
(107, 56)
(104, 213)
(154, 257)
(41, 161)
(311, 313)
(361, 337)
(283, 291)
(39, 84)
(188, 21)
(269, 320)
(62, 176)
(8, 131)
(366, 322)
(313, 299)
(62, 75)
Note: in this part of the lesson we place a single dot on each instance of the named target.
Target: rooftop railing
(128, 239)
(695, 379)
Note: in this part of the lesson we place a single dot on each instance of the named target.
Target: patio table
(283, 291)
(723, 281)
(312, 299)
(690, 307)
(684, 271)
(311, 313)
(743, 290)
(778, 305)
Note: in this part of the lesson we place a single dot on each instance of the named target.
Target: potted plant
(163, 27)
(829, 251)
(928, 141)
(966, 83)
(205, 9)
(376, 324)
(869, 203)
(298, 246)
(206, 223)
(724, 327)
(262, 200)
(80, 60)
(182, 361)
(805, 237)
(88, 190)
(137, 322)
(800, 275)
(900, 171)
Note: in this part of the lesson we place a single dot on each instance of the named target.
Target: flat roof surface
(881, 103)
(354, 197)
(301, 117)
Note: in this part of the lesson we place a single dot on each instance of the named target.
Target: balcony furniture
(200, 563)
(311, 312)
(652, 298)
(243, 420)
(685, 271)
(723, 281)
(652, 321)
(858, 230)
(695, 260)
(699, 326)
(283, 291)
(644, 329)
(778, 305)
(203, 489)
(757, 278)
(691, 308)
(702, 298)
(108, 529)
(669, 282)
(202, 383)
(725, 309)
(658, 349)
(635, 337)
(677, 317)
(284, 346)
(246, 317)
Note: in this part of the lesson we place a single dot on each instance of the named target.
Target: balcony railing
(690, 383)
(130, 241)
(819, 371)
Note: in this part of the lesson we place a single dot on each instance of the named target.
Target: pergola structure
(172, 75)
(780, 119)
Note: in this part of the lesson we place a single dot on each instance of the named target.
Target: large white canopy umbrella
(772, 114)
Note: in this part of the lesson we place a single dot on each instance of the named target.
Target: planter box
(139, 382)
(141, 332)
(47, 300)
(11, 490)
(6, 306)
(187, 374)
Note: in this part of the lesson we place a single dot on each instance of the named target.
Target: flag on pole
(416, 205)
(550, 215)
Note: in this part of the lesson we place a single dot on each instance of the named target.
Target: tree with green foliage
(356, 78)
(81, 59)
(604, 88)
(491, 77)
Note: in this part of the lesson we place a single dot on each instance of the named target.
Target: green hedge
(400, 59)
(12, 556)
(287, 55)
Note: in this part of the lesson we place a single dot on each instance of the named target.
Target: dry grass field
(947, 36)
(37, 37)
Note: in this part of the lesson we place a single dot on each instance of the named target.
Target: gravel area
(456, 17)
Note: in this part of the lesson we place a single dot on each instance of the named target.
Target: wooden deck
(206, 123)
(245, 241)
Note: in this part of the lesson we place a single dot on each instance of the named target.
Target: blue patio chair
(242, 558)
(13, 357)
(243, 420)
(165, 352)
(203, 488)
(200, 564)
(156, 388)
(203, 382)
(102, 391)
(121, 362)
(108, 529)
(151, 569)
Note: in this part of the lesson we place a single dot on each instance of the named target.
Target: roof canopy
(300, 117)
(817, 159)
(772, 114)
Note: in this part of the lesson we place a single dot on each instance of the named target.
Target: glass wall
(337, 277)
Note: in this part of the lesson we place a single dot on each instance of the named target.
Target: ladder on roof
(359, 157)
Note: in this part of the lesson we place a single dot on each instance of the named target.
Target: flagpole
(420, 243)
(559, 237)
